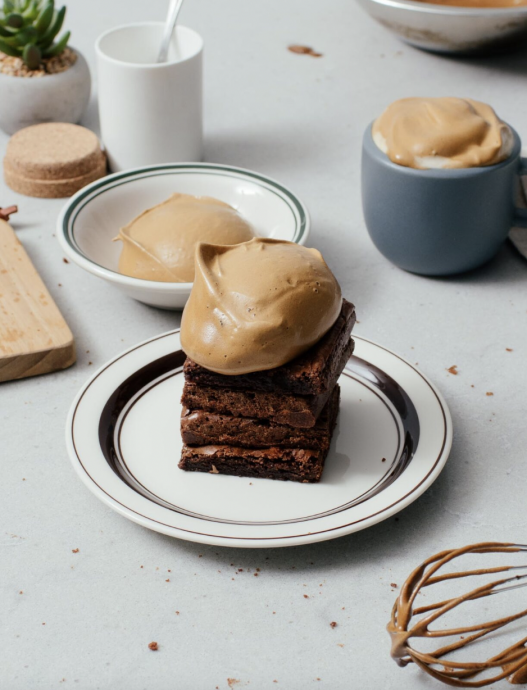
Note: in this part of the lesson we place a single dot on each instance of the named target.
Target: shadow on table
(513, 61)
(406, 531)
(508, 266)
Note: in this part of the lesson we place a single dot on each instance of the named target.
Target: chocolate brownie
(295, 464)
(201, 428)
(300, 411)
(313, 373)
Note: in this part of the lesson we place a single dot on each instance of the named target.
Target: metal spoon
(170, 23)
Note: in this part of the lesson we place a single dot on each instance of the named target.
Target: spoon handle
(170, 23)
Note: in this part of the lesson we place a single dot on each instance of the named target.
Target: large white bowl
(445, 29)
(92, 217)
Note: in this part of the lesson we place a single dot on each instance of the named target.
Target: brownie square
(202, 428)
(299, 411)
(293, 464)
(274, 462)
(313, 373)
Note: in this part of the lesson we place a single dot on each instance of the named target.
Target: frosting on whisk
(403, 626)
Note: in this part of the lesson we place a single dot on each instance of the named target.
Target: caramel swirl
(442, 133)
(257, 305)
(406, 622)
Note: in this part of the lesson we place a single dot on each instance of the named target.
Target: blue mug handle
(520, 214)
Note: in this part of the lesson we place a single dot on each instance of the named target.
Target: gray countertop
(84, 620)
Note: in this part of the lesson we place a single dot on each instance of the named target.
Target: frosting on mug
(159, 244)
(442, 133)
(257, 305)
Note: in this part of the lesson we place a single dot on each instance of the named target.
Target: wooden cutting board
(34, 338)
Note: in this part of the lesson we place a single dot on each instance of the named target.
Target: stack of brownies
(275, 424)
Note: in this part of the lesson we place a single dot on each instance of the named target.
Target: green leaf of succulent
(32, 10)
(11, 41)
(4, 31)
(57, 48)
(32, 56)
(26, 35)
(14, 20)
(44, 19)
(9, 50)
(8, 6)
(56, 25)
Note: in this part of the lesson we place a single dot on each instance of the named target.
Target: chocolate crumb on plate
(153, 646)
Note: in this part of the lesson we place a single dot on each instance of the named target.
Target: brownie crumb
(65, 260)
(303, 50)
(153, 646)
(255, 574)
(75, 551)
(453, 370)
(393, 584)
(489, 393)
(333, 624)
(509, 349)
(177, 613)
(306, 596)
(167, 580)
(383, 460)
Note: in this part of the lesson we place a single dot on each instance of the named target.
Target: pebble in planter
(41, 78)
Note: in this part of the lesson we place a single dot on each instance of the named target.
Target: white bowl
(446, 29)
(93, 216)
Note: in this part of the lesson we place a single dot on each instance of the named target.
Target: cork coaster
(53, 160)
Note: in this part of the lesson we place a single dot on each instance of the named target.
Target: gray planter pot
(61, 97)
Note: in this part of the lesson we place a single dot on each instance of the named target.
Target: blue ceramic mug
(439, 222)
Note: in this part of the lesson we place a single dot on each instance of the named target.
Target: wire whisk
(511, 663)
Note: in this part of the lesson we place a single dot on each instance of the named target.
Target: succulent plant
(28, 29)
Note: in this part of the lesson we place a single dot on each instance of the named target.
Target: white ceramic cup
(150, 113)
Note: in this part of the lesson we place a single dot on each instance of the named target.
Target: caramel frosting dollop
(442, 133)
(159, 244)
(257, 305)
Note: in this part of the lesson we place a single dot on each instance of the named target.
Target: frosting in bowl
(442, 133)
(160, 243)
(257, 305)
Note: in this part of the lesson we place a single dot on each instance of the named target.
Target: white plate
(91, 218)
(392, 440)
